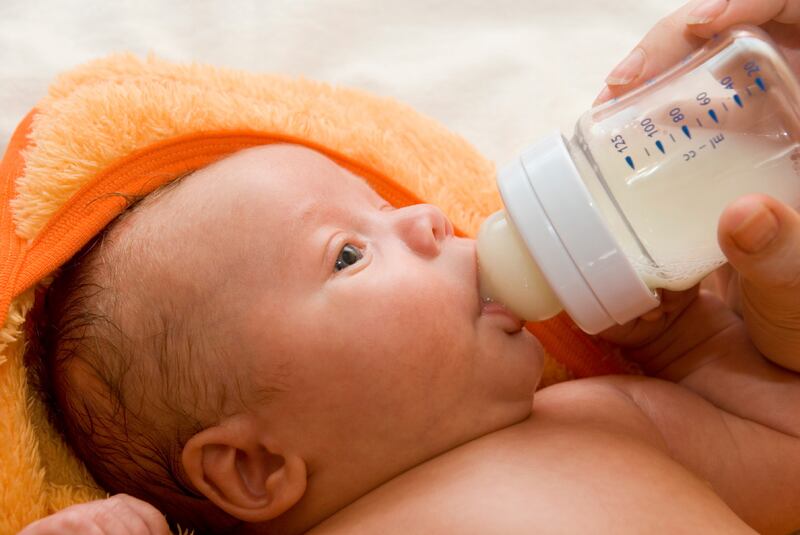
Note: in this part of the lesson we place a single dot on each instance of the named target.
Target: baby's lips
(512, 323)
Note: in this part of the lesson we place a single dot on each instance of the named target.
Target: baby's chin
(535, 354)
(517, 367)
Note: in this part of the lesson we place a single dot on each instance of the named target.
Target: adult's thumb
(760, 236)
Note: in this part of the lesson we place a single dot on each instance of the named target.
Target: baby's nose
(423, 227)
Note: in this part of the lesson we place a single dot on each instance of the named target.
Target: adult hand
(118, 515)
(759, 235)
(685, 30)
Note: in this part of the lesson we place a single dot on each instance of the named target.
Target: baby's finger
(652, 324)
(124, 514)
(708, 17)
(761, 238)
(150, 516)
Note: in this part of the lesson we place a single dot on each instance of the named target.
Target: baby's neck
(333, 489)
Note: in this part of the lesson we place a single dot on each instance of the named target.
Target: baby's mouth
(510, 322)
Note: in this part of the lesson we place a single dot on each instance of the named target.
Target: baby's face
(367, 318)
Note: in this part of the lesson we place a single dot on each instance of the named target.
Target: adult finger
(683, 31)
(708, 17)
(667, 43)
(760, 236)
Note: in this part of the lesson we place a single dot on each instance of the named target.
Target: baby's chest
(546, 479)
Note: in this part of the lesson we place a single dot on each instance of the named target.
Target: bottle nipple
(509, 275)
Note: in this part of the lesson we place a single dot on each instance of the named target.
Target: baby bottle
(630, 203)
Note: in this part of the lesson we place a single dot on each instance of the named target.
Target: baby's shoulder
(670, 418)
(612, 403)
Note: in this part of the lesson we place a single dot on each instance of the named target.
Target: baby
(370, 391)
(369, 383)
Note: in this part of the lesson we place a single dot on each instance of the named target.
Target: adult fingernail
(628, 69)
(604, 96)
(706, 11)
(757, 230)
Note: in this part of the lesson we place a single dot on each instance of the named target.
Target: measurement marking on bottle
(738, 100)
(630, 161)
(686, 131)
(646, 151)
(699, 123)
(725, 106)
(713, 115)
(760, 84)
(660, 146)
(749, 93)
(672, 138)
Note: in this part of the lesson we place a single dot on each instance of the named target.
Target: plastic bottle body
(631, 202)
(664, 162)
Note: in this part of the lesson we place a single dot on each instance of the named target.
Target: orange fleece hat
(129, 125)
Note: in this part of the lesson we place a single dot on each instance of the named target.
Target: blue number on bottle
(648, 126)
(676, 115)
(751, 67)
(619, 143)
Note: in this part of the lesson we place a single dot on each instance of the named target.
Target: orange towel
(128, 125)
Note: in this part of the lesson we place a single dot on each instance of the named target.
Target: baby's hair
(84, 360)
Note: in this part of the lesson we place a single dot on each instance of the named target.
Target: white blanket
(500, 72)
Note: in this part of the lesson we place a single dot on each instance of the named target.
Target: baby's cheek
(405, 315)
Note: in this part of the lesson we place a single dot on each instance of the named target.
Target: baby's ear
(237, 466)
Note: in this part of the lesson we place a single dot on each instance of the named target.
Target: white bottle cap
(557, 219)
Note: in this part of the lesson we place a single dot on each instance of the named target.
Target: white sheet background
(501, 73)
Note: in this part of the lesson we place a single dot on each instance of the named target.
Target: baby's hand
(118, 515)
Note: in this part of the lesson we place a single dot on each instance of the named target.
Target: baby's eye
(349, 255)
